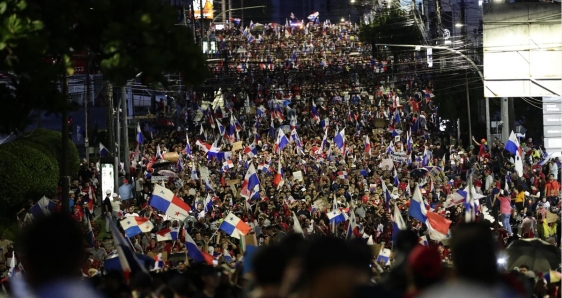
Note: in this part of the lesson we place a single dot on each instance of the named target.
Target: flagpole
(214, 234)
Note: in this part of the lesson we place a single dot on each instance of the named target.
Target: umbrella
(418, 172)
(258, 27)
(168, 173)
(429, 168)
(539, 255)
(161, 164)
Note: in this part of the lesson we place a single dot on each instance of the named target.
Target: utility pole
(86, 110)
(223, 10)
(438, 15)
(468, 106)
(118, 130)
(111, 135)
(229, 9)
(505, 119)
(201, 21)
(463, 19)
(488, 131)
(64, 163)
(511, 114)
(110, 131)
(125, 129)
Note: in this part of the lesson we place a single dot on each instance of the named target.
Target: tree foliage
(49, 142)
(30, 166)
(123, 38)
(27, 173)
(391, 26)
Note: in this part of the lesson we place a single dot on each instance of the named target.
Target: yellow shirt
(520, 197)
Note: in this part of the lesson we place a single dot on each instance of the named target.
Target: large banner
(399, 156)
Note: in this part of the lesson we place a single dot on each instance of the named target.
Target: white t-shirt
(116, 206)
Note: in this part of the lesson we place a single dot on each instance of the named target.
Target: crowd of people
(342, 181)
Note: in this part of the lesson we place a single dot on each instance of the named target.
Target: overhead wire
(530, 103)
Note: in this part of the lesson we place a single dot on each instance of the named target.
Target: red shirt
(552, 188)
(78, 215)
(415, 106)
(457, 183)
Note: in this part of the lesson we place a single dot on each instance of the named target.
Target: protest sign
(164, 255)
(436, 175)
(158, 179)
(233, 181)
(204, 171)
(237, 146)
(175, 257)
(321, 205)
(399, 156)
(387, 163)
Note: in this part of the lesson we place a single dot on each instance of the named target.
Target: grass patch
(101, 223)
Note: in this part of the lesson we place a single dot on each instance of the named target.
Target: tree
(391, 26)
(124, 38)
(27, 173)
(49, 142)
(30, 166)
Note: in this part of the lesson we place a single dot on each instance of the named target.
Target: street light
(125, 124)
(488, 134)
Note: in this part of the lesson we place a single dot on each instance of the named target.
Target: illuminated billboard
(107, 177)
(207, 9)
(522, 50)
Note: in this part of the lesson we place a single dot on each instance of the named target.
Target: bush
(27, 173)
(49, 141)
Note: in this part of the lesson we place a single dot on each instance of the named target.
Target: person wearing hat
(115, 206)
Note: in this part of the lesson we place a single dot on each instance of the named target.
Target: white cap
(115, 195)
(108, 192)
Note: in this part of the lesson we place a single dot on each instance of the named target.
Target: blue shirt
(126, 191)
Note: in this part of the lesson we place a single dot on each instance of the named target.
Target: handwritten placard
(233, 182)
(204, 171)
(298, 176)
(387, 164)
(399, 156)
(237, 146)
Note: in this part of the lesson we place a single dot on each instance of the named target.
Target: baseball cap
(108, 192)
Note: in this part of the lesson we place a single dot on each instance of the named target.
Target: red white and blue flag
(166, 201)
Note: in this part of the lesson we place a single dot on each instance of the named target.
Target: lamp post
(488, 134)
(125, 125)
